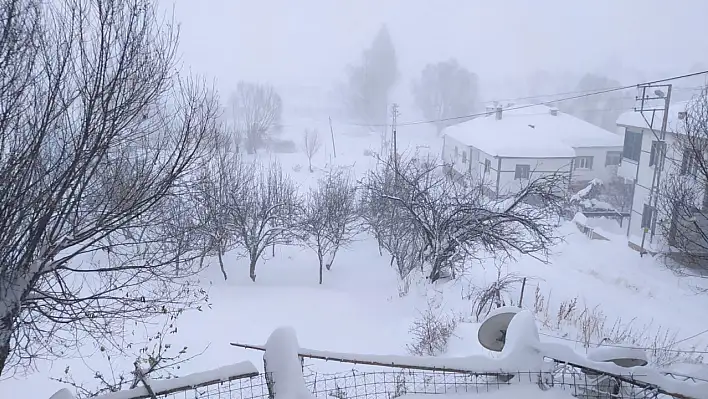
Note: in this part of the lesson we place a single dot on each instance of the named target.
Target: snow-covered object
(580, 219)
(522, 342)
(160, 387)
(531, 391)
(585, 191)
(283, 362)
(492, 331)
(63, 394)
(645, 374)
(697, 371)
(623, 357)
(531, 131)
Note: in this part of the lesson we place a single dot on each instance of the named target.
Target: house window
(464, 156)
(632, 146)
(647, 216)
(613, 158)
(689, 166)
(656, 154)
(522, 171)
(583, 162)
(457, 152)
(487, 165)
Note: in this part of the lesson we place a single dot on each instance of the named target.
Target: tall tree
(601, 109)
(98, 138)
(369, 83)
(257, 110)
(445, 90)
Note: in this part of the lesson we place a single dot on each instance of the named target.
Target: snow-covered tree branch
(264, 212)
(329, 218)
(684, 194)
(456, 220)
(98, 139)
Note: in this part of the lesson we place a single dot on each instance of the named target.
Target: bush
(431, 332)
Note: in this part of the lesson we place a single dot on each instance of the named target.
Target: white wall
(539, 167)
(599, 170)
(643, 183)
(456, 161)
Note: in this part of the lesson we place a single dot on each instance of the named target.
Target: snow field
(358, 308)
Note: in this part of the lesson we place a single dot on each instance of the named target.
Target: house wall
(599, 169)
(452, 155)
(508, 184)
(642, 174)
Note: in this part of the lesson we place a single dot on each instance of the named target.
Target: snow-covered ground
(359, 309)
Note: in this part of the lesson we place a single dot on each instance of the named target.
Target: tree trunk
(320, 258)
(221, 264)
(6, 324)
(252, 269)
(309, 162)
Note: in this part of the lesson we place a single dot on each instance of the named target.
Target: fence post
(284, 366)
(269, 379)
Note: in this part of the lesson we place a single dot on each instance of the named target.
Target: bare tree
(445, 90)
(257, 110)
(329, 217)
(219, 185)
(264, 212)
(98, 139)
(683, 199)
(311, 144)
(456, 219)
(396, 234)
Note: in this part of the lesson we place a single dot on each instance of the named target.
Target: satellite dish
(623, 357)
(492, 331)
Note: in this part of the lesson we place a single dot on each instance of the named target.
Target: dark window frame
(522, 171)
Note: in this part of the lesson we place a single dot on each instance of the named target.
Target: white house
(640, 157)
(507, 147)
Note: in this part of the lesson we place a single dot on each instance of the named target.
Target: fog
(307, 43)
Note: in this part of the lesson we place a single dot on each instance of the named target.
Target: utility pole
(649, 97)
(394, 116)
(331, 131)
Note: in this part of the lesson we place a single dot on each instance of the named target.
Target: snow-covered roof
(637, 119)
(532, 131)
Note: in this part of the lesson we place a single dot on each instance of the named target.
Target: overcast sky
(309, 42)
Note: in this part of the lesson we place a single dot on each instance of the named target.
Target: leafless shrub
(495, 295)
(257, 109)
(156, 359)
(592, 328)
(431, 332)
(329, 217)
(98, 141)
(311, 143)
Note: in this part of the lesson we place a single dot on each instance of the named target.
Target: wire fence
(393, 383)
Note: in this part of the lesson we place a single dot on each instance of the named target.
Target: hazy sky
(309, 42)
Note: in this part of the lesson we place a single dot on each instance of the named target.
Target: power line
(594, 93)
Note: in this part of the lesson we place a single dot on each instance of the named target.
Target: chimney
(554, 111)
(499, 112)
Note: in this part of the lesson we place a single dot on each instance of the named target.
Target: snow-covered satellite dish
(623, 357)
(492, 332)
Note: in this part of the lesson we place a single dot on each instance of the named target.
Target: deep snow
(358, 308)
